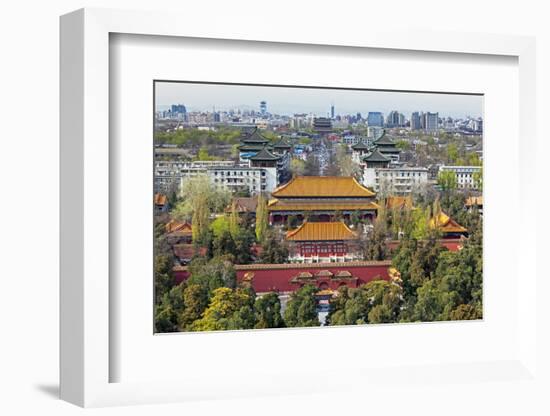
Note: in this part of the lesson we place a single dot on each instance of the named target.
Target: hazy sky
(287, 101)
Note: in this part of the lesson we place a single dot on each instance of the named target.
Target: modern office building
(431, 121)
(375, 119)
(395, 119)
(178, 111)
(263, 108)
(416, 121)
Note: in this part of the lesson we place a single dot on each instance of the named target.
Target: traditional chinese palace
(448, 227)
(386, 147)
(259, 152)
(321, 198)
(318, 242)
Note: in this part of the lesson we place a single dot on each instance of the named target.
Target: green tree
(478, 180)
(268, 311)
(228, 309)
(297, 167)
(197, 191)
(224, 244)
(200, 219)
(243, 240)
(378, 301)
(203, 154)
(219, 226)
(380, 314)
(195, 299)
(420, 223)
(376, 243)
(234, 221)
(212, 274)
(169, 309)
(452, 153)
(433, 303)
(403, 145)
(273, 251)
(261, 218)
(447, 180)
(164, 277)
(301, 310)
(465, 312)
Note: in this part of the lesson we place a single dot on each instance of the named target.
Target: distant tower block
(332, 111)
(263, 108)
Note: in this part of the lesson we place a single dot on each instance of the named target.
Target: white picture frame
(85, 352)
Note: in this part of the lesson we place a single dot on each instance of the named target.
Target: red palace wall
(277, 277)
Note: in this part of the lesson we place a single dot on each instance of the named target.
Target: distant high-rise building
(263, 108)
(431, 121)
(416, 121)
(178, 111)
(395, 119)
(375, 118)
(217, 117)
(478, 125)
(332, 111)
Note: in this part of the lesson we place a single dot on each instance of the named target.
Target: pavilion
(448, 227)
(317, 242)
(323, 198)
(252, 142)
(386, 147)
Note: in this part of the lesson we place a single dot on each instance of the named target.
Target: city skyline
(291, 100)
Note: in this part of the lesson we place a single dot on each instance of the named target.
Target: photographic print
(290, 206)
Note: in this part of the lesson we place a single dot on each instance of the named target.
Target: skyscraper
(178, 111)
(416, 123)
(375, 118)
(431, 121)
(332, 111)
(263, 108)
(395, 119)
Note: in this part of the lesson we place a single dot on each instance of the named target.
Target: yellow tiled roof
(324, 205)
(322, 186)
(321, 231)
(175, 225)
(446, 224)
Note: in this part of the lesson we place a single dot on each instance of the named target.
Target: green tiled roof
(375, 156)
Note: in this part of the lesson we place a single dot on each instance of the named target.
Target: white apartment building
(350, 139)
(171, 174)
(396, 181)
(254, 179)
(464, 175)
